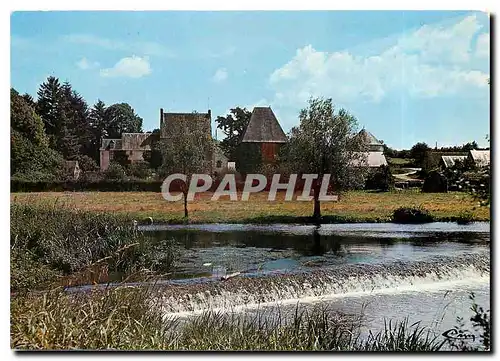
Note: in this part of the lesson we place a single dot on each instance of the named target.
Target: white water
(341, 282)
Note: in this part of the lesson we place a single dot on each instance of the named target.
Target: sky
(407, 76)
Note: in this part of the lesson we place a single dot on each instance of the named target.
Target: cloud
(84, 64)
(223, 53)
(220, 75)
(131, 67)
(428, 62)
(483, 45)
(138, 47)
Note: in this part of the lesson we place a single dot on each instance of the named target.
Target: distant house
(220, 161)
(133, 145)
(264, 129)
(448, 161)
(374, 156)
(72, 169)
(480, 158)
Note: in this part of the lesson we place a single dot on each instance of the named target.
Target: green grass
(356, 206)
(130, 319)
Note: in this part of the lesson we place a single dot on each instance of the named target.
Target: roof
(106, 143)
(263, 127)
(449, 160)
(480, 157)
(131, 141)
(373, 159)
(368, 138)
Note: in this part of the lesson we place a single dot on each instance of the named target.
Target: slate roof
(370, 140)
(263, 127)
(449, 160)
(129, 141)
(480, 157)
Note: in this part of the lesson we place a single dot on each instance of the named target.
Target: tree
(325, 143)
(97, 123)
(418, 152)
(233, 126)
(184, 150)
(49, 107)
(121, 118)
(31, 158)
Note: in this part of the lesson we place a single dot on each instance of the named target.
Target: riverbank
(55, 246)
(353, 207)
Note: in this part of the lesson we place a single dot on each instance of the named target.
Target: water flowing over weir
(253, 291)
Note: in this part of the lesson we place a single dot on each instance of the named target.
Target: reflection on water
(254, 248)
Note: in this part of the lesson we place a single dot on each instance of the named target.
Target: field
(356, 206)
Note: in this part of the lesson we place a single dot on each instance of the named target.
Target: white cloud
(140, 47)
(483, 45)
(131, 67)
(220, 75)
(428, 62)
(85, 64)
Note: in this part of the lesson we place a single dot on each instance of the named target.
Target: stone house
(132, 145)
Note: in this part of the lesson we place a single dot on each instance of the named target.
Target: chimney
(209, 113)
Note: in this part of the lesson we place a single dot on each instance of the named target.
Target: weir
(249, 292)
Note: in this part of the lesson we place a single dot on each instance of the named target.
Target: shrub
(115, 171)
(139, 170)
(465, 217)
(435, 182)
(381, 179)
(411, 215)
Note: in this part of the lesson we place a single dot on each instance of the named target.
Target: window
(219, 164)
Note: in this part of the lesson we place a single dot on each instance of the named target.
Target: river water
(388, 271)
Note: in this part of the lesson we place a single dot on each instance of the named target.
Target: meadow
(354, 206)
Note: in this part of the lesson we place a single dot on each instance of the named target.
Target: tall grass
(53, 245)
(130, 319)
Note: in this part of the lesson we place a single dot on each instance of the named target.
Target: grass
(56, 245)
(129, 319)
(356, 206)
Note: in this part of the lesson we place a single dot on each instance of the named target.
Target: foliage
(233, 126)
(51, 241)
(23, 119)
(481, 323)
(139, 170)
(249, 158)
(187, 150)
(411, 215)
(380, 179)
(435, 181)
(418, 151)
(121, 118)
(325, 143)
(131, 319)
(115, 171)
(87, 164)
(90, 182)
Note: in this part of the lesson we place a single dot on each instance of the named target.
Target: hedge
(104, 186)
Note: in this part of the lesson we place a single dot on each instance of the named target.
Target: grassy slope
(356, 206)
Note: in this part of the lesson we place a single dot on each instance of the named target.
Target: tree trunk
(317, 208)
(185, 206)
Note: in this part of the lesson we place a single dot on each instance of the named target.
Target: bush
(411, 215)
(381, 179)
(139, 170)
(17, 185)
(115, 171)
(465, 218)
(435, 182)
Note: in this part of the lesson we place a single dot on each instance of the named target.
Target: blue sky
(407, 76)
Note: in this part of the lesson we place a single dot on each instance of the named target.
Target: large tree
(97, 121)
(121, 118)
(233, 126)
(418, 153)
(184, 150)
(31, 158)
(325, 143)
